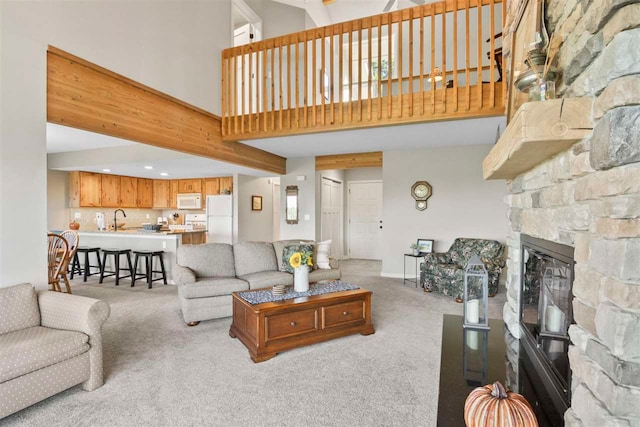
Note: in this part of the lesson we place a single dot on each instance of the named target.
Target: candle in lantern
(473, 311)
(472, 339)
(554, 319)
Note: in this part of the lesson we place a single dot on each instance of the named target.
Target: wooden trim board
(86, 96)
(537, 132)
(349, 161)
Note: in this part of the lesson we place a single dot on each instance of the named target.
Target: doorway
(247, 28)
(331, 215)
(364, 206)
(276, 209)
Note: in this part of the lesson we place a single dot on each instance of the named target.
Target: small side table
(415, 268)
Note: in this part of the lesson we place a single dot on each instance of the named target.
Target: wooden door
(226, 184)
(145, 193)
(110, 190)
(161, 193)
(365, 219)
(190, 186)
(211, 186)
(174, 194)
(90, 189)
(128, 192)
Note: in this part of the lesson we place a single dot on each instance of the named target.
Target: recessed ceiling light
(148, 167)
(164, 174)
(106, 170)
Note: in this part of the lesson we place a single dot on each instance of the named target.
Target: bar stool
(116, 254)
(86, 269)
(148, 262)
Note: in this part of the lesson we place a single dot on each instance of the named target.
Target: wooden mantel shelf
(537, 132)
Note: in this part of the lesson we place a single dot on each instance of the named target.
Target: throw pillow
(322, 259)
(315, 252)
(305, 258)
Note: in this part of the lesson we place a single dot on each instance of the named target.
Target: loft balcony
(438, 61)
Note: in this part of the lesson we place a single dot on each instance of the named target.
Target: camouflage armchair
(444, 272)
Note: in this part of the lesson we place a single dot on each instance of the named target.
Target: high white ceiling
(400, 137)
(61, 139)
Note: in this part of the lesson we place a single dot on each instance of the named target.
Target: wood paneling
(110, 191)
(85, 96)
(145, 193)
(128, 192)
(349, 161)
(161, 194)
(538, 131)
(211, 186)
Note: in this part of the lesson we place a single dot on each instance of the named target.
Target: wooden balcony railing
(368, 72)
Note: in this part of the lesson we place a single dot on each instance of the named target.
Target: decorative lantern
(475, 356)
(476, 293)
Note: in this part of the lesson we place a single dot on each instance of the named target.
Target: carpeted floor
(159, 372)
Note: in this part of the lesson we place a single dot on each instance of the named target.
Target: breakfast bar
(138, 240)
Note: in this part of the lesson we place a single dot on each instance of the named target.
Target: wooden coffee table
(267, 329)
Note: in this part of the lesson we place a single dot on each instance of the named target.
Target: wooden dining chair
(57, 254)
(72, 238)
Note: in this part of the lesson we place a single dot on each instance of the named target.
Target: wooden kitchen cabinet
(161, 193)
(145, 193)
(211, 186)
(226, 184)
(174, 194)
(110, 191)
(190, 186)
(128, 192)
(194, 238)
(85, 189)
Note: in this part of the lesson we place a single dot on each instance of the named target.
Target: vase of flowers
(301, 262)
(415, 249)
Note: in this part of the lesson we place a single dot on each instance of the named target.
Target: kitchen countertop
(139, 232)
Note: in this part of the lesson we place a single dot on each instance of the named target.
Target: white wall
(254, 225)
(278, 19)
(363, 174)
(172, 46)
(57, 200)
(462, 204)
(304, 229)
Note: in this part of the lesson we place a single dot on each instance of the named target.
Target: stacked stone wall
(589, 197)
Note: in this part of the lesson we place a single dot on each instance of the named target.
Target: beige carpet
(159, 372)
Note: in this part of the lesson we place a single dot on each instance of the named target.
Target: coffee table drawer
(290, 324)
(339, 314)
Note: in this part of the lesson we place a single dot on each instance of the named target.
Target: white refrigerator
(220, 219)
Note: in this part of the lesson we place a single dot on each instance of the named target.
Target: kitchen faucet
(115, 224)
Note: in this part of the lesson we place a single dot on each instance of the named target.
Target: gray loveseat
(49, 342)
(207, 274)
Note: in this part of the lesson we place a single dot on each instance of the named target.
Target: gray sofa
(49, 342)
(207, 274)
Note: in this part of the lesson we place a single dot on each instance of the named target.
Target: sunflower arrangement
(300, 258)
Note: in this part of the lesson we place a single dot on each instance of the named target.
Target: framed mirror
(291, 204)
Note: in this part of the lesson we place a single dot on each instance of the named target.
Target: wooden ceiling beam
(85, 96)
(349, 161)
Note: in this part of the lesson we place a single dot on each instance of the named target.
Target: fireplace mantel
(537, 132)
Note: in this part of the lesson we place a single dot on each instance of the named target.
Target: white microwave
(190, 201)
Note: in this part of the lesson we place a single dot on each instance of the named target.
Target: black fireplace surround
(546, 313)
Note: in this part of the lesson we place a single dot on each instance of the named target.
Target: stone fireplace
(588, 198)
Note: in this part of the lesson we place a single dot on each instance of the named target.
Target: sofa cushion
(289, 250)
(279, 246)
(30, 349)
(324, 274)
(203, 288)
(254, 257)
(322, 257)
(208, 260)
(463, 249)
(266, 279)
(18, 308)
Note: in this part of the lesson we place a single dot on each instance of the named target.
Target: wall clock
(421, 191)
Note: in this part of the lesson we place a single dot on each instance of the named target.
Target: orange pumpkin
(492, 406)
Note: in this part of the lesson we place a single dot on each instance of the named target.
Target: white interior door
(365, 219)
(276, 211)
(331, 209)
